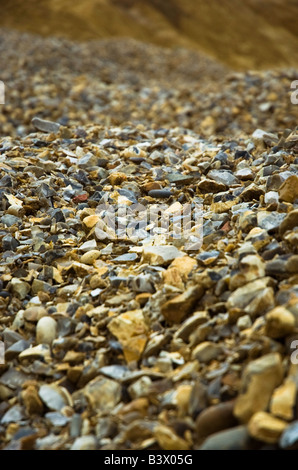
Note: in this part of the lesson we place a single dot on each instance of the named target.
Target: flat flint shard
(45, 126)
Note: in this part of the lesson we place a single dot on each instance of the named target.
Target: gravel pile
(121, 332)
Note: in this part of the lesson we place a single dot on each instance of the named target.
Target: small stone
(46, 330)
(176, 309)
(271, 197)
(160, 193)
(244, 322)
(206, 352)
(89, 245)
(9, 243)
(151, 186)
(252, 192)
(259, 380)
(215, 418)
(57, 419)
(15, 349)
(133, 151)
(264, 427)
(140, 388)
(236, 438)
(103, 394)
(270, 220)
(254, 298)
(190, 324)
(32, 401)
(75, 425)
(247, 220)
(262, 136)
(54, 397)
(172, 277)
(222, 176)
(20, 288)
(283, 401)
(40, 286)
(211, 186)
(185, 265)
(179, 179)
(168, 440)
(34, 314)
(10, 220)
(143, 283)
(160, 255)
(289, 222)
(279, 323)
(90, 256)
(288, 191)
(90, 221)
(289, 437)
(127, 257)
(244, 174)
(131, 330)
(207, 257)
(116, 178)
(41, 351)
(14, 415)
(84, 443)
(45, 126)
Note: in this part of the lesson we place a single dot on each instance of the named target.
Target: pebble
(90, 256)
(288, 191)
(283, 401)
(272, 197)
(54, 397)
(41, 351)
(84, 443)
(289, 222)
(176, 309)
(168, 440)
(46, 330)
(279, 323)
(206, 352)
(34, 314)
(131, 330)
(253, 298)
(14, 415)
(160, 193)
(57, 419)
(20, 288)
(103, 394)
(45, 126)
(236, 438)
(259, 380)
(15, 349)
(264, 427)
(32, 401)
(215, 418)
(289, 437)
(160, 255)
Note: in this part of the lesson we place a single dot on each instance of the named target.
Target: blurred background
(219, 67)
(243, 34)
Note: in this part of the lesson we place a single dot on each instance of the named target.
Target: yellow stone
(172, 277)
(90, 221)
(168, 440)
(131, 331)
(266, 428)
(184, 265)
(289, 189)
(283, 401)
